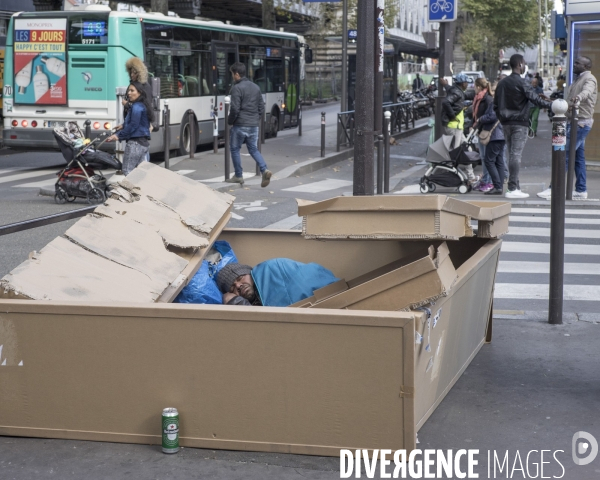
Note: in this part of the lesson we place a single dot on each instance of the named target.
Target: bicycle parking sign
(442, 10)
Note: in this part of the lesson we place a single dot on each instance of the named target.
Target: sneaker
(516, 194)
(487, 187)
(234, 179)
(474, 180)
(266, 178)
(579, 195)
(477, 186)
(494, 191)
(546, 194)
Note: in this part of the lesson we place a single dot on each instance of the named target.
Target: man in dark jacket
(245, 115)
(417, 84)
(511, 104)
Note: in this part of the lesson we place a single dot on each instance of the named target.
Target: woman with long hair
(481, 103)
(136, 129)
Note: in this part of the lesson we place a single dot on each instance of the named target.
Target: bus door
(224, 56)
(292, 87)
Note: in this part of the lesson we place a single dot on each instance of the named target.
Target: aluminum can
(170, 430)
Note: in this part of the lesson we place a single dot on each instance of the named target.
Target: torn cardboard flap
(401, 217)
(407, 283)
(162, 220)
(199, 207)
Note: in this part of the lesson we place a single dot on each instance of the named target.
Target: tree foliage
(498, 24)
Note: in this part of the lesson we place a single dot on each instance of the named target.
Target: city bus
(66, 66)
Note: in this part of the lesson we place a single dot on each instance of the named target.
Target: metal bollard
(192, 127)
(167, 133)
(216, 128)
(88, 128)
(299, 119)
(379, 147)
(557, 212)
(386, 151)
(227, 133)
(120, 146)
(261, 140)
(572, 150)
(322, 134)
(264, 120)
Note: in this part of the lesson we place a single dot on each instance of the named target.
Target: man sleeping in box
(279, 282)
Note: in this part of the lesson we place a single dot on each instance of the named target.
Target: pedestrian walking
(511, 105)
(584, 89)
(453, 115)
(481, 103)
(136, 129)
(245, 114)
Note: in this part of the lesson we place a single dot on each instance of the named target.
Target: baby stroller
(78, 178)
(444, 160)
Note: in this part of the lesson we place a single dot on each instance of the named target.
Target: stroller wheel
(69, 198)
(463, 189)
(95, 196)
(60, 198)
(424, 188)
(431, 186)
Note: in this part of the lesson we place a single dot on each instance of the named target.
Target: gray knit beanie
(228, 274)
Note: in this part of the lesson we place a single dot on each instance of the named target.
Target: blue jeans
(582, 132)
(485, 178)
(249, 136)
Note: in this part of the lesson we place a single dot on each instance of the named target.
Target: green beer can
(170, 430)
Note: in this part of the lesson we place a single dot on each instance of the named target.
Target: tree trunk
(113, 5)
(268, 15)
(161, 6)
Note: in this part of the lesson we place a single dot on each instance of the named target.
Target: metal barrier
(402, 116)
(47, 220)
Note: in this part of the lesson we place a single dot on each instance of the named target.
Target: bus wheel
(273, 124)
(184, 136)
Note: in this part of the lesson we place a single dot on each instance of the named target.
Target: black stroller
(444, 161)
(79, 179)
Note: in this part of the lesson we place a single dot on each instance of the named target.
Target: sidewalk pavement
(286, 155)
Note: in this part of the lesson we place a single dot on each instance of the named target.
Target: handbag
(486, 135)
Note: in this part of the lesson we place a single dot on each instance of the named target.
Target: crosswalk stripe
(525, 291)
(23, 176)
(222, 178)
(506, 266)
(545, 232)
(569, 211)
(570, 248)
(49, 183)
(286, 224)
(322, 186)
(570, 221)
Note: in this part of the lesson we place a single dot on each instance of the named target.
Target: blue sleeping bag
(281, 281)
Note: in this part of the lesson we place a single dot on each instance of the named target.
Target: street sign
(352, 35)
(442, 10)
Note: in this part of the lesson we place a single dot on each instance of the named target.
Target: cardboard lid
(402, 217)
(142, 245)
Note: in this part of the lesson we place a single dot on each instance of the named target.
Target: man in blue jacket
(278, 282)
(245, 114)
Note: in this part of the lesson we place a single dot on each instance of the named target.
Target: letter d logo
(584, 447)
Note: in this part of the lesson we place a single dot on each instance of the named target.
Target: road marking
(526, 291)
(185, 172)
(322, 186)
(570, 248)
(409, 190)
(23, 176)
(16, 169)
(50, 183)
(545, 232)
(235, 216)
(569, 211)
(222, 178)
(544, 267)
(288, 223)
(407, 157)
(533, 219)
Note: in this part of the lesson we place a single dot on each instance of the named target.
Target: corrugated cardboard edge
(195, 262)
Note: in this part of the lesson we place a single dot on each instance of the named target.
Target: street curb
(536, 316)
(298, 169)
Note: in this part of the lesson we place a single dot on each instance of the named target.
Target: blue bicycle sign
(442, 10)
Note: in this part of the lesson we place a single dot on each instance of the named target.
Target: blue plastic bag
(203, 286)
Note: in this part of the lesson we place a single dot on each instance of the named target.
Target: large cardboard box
(296, 380)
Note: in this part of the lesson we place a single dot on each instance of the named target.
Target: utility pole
(540, 52)
(268, 15)
(445, 47)
(365, 80)
(344, 102)
(161, 6)
(547, 36)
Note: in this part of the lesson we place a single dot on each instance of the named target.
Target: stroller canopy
(439, 151)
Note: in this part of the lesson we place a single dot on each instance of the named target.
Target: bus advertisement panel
(40, 61)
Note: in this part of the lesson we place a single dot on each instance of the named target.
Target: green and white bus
(65, 66)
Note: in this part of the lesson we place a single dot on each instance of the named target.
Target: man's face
(579, 66)
(463, 86)
(534, 83)
(236, 77)
(243, 286)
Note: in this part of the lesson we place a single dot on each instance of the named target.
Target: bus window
(88, 29)
(274, 75)
(225, 57)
